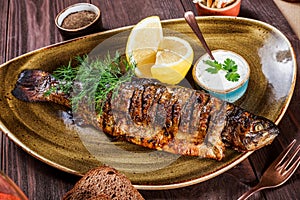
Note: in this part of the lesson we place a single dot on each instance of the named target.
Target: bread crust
(105, 183)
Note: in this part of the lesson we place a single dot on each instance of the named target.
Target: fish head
(261, 132)
(248, 132)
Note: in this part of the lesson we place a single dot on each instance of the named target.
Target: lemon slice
(142, 44)
(173, 60)
(167, 59)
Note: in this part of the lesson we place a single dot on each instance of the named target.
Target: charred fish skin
(163, 117)
(246, 131)
(205, 131)
(32, 85)
(167, 128)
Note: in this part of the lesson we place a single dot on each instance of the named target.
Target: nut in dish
(218, 7)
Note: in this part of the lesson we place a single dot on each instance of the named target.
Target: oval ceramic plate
(41, 130)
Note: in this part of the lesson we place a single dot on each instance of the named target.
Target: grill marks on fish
(173, 119)
(163, 117)
(200, 112)
(144, 112)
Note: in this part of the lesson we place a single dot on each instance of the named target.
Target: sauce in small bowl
(216, 83)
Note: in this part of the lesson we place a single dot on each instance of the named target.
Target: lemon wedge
(142, 44)
(173, 60)
(167, 59)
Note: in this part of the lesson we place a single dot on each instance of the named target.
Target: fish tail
(35, 86)
(31, 85)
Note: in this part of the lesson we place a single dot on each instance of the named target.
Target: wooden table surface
(28, 25)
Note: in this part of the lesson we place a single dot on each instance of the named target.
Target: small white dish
(217, 84)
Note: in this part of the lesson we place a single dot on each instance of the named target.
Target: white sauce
(218, 82)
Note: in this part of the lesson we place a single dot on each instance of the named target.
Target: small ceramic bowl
(217, 84)
(230, 10)
(81, 25)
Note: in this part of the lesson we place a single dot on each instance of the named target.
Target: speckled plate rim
(164, 186)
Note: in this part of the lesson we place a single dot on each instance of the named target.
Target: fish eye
(258, 127)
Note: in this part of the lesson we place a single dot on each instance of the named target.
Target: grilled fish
(163, 117)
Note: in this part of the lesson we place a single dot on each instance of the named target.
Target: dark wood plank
(37, 28)
(3, 39)
(36, 179)
(3, 31)
(229, 185)
(294, 105)
(127, 12)
(189, 6)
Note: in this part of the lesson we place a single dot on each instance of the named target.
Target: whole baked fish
(163, 117)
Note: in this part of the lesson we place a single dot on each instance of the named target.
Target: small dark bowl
(93, 27)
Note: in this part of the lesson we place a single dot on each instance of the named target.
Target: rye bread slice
(103, 183)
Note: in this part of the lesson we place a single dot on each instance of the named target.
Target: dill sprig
(66, 74)
(93, 79)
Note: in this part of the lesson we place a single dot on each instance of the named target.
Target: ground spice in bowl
(78, 19)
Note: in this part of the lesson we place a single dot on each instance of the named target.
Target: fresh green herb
(92, 80)
(215, 66)
(50, 91)
(66, 74)
(98, 78)
(229, 66)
